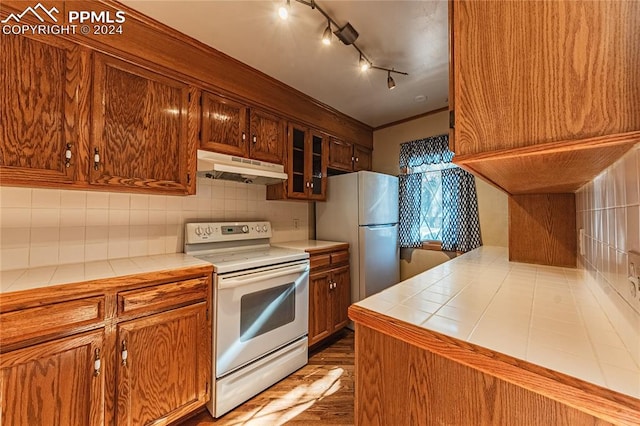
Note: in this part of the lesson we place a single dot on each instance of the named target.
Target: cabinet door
(267, 137)
(54, 383)
(43, 102)
(340, 155)
(163, 365)
(140, 121)
(319, 307)
(341, 297)
(224, 125)
(361, 158)
(317, 166)
(298, 161)
(528, 73)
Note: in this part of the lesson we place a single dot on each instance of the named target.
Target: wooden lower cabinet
(329, 294)
(60, 382)
(160, 366)
(131, 352)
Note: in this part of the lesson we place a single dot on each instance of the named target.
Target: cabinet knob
(96, 363)
(356, 159)
(96, 158)
(124, 354)
(244, 137)
(255, 139)
(67, 156)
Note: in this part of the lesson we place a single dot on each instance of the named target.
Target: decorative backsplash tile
(608, 211)
(40, 227)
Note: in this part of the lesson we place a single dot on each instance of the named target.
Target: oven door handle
(241, 280)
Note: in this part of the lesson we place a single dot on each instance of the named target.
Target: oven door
(259, 311)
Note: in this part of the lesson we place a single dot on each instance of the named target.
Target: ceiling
(410, 36)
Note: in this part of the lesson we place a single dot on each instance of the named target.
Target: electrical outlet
(581, 241)
(296, 223)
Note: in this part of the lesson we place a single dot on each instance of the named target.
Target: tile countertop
(309, 245)
(31, 278)
(542, 314)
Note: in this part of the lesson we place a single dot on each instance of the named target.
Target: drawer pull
(96, 363)
(125, 354)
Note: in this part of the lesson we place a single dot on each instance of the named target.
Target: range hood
(229, 167)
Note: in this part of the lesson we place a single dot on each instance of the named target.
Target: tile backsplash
(40, 227)
(608, 210)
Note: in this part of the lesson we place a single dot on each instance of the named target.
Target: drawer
(29, 326)
(163, 296)
(319, 261)
(340, 257)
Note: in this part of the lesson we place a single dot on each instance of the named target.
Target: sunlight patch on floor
(287, 407)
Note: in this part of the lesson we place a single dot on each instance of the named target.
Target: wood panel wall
(542, 229)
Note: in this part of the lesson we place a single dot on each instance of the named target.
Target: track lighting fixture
(283, 12)
(346, 34)
(364, 64)
(391, 84)
(326, 36)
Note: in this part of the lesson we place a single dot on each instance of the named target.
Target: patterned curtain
(410, 209)
(460, 222)
(433, 150)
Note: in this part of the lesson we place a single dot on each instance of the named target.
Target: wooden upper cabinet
(361, 158)
(348, 157)
(267, 136)
(163, 365)
(224, 125)
(44, 84)
(532, 72)
(340, 155)
(55, 383)
(140, 129)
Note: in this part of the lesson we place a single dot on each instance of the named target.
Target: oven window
(266, 310)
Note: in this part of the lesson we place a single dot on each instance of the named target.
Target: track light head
(364, 64)
(326, 36)
(283, 11)
(391, 84)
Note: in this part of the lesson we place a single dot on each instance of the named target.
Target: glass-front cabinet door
(307, 163)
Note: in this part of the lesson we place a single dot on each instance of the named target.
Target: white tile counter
(545, 315)
(32, 278)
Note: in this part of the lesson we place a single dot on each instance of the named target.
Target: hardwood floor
(319, 393)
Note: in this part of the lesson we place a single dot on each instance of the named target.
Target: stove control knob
(245, 229)
(264, 228)
(198, 231)
(209, 230)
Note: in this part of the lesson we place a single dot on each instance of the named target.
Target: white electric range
(261, 296)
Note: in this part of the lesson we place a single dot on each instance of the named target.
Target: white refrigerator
(362, 209)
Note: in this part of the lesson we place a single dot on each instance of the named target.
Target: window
(437, 199)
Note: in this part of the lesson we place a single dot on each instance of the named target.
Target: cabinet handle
(124, 353)
(96, 158)
(353, 159)
(96, 363)
(307, 184)
(311, 185)
(244, 136)
(67, 156)
(356, 159)
(255, 139)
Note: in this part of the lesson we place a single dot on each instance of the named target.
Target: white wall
(492, 203)
(40, 227)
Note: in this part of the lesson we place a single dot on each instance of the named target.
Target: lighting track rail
(347, 34)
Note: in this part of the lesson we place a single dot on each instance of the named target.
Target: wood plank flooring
(319, 393)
